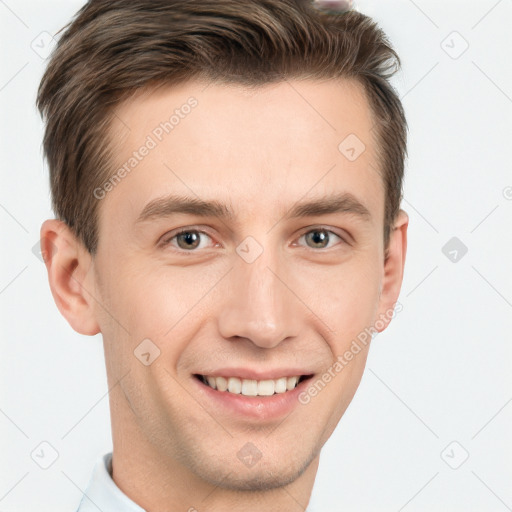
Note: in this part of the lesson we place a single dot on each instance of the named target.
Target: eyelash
(167, 240)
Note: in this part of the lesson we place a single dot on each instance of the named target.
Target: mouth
(254, 395)
(252, 387)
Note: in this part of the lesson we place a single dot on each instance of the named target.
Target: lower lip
(258, 407)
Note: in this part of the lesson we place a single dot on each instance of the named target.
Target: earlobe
(393, 269)
(68, 263)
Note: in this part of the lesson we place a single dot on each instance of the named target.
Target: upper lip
(253, 374)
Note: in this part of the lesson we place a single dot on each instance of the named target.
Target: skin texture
(258, 151)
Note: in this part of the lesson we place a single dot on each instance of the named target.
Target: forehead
(255, 148)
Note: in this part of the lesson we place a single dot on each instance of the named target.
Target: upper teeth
(249, 387)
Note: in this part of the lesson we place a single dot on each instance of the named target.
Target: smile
(251, 387)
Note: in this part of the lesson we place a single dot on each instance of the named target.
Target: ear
(394, 262)
(67, 262)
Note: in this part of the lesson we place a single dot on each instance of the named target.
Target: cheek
(344, 297)
(164, 305)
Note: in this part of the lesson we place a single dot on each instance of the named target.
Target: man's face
(265, 292)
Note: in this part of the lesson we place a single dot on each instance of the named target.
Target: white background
(440, 374)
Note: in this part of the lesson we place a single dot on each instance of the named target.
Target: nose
(259, 303)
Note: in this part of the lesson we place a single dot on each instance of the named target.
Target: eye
(187, 240)
(190, 240)
(320, 238)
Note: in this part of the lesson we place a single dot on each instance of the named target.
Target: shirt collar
(103, 494)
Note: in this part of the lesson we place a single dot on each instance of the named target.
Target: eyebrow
(171, 204)
(339, 203)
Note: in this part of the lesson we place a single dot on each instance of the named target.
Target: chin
(263, 476)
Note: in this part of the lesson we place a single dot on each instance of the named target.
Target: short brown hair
(114, 47)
